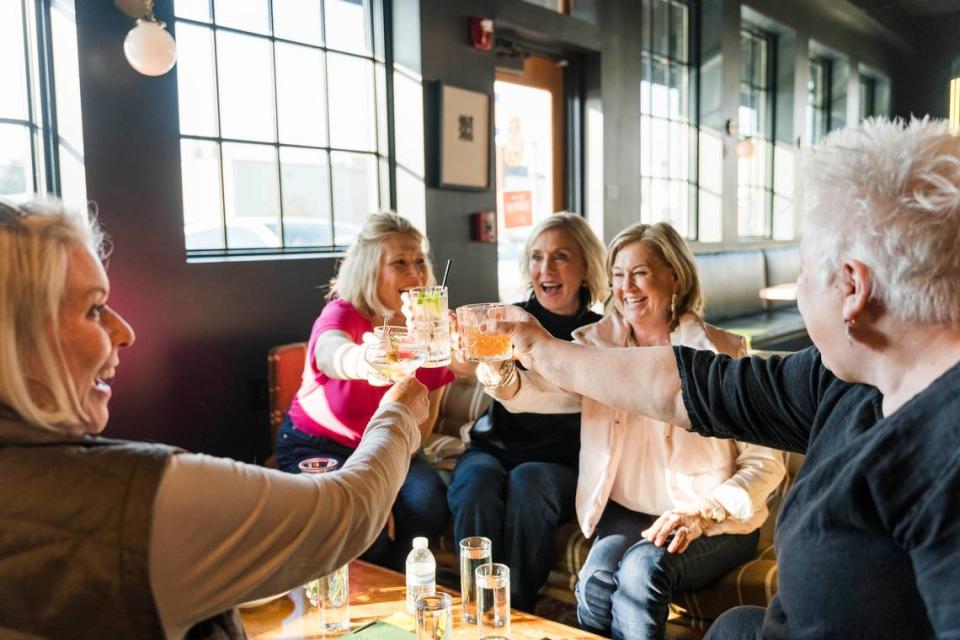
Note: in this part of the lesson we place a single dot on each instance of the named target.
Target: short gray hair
(888, 194)
(595, 280)
(357, 277)
(35, 241)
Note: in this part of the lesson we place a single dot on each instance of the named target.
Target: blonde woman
(330, 411)
(515, 483)
(641, 479)
(107, 538)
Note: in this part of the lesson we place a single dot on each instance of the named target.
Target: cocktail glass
(430, 323)
(479, 345)
(396, 354)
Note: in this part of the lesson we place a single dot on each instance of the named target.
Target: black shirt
(533, 437)
(868, 539)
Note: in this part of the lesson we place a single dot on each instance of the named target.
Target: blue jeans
(419, 510)
(626, 584)
(518, 508)
(739, 623)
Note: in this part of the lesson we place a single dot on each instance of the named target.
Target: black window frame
(379, 21)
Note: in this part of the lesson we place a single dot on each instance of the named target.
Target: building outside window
(41, 135)
(755, 164)
(282, 123)
(818, 99)
(668, 133)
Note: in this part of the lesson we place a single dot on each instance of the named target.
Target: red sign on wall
(517, 208)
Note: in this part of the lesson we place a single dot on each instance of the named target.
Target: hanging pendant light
(149, 47)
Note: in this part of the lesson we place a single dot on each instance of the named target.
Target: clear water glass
(330, 592)
(474, 551)
(493, 599)
(434, 617)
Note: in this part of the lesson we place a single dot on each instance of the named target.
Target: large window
(668, 124)
(756, 126)
(818, 99)
(282, 123)
(41, 138)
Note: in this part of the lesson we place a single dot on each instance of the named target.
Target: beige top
(649, 466)
(225, 532)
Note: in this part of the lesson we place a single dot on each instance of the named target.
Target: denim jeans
(518, 508)
(419, 510)
(626, 584)
(739, 623)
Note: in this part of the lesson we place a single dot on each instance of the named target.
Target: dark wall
(926, 76)
(196, 375)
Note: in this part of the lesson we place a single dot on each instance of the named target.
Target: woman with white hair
(637, 474)
(113, 539)
(515, 483)
(868, 535)
(340, 390)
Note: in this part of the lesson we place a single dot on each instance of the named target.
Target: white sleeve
(538, 395)
(339, 357)
(224, 532)
(744, 494)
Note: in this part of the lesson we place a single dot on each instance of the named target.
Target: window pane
(354, 193)
(659, 96)
(306, 197)
(251, 195)
(646, 22)
(246, 87)
(16, 165)
(192, 10)
(63, 27)
(679, 28)
(73, 181)
(661, 27)
(249, 15)
(13, 73)
(196, 80)
(298, 20)
(760, 62)
(679, 98)
(351, 112)
(202, 209)
(746, 58)
(348, 25)
(679, 149)
(660, 148)
(301, 99)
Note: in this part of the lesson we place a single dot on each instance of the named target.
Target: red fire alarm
(483, 226)
(481, 33)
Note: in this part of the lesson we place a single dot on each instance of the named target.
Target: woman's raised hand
(411, 393)
(524, 330)
(685, 527)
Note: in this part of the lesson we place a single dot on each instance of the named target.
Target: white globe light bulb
(149, 48)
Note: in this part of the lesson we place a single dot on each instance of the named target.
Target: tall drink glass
(493, 600)
(474, 551)
(434, 616)
(430, 323)
(477, 344)
(330, 592)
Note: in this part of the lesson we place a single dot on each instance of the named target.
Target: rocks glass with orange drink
(480, 346)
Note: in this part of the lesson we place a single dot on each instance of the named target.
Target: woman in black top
(868, 539)
(515, 484)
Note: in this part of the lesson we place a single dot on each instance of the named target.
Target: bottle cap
(419, 542)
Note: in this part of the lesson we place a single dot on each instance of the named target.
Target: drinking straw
(446, 270)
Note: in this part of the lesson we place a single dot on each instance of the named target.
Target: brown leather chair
(284, 371)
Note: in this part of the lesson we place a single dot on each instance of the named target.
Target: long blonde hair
(595, 279)
(35, 241)
(356, 279)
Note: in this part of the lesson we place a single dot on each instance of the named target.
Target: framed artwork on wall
(464, 138)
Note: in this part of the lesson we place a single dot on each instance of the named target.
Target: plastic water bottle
(421, 573)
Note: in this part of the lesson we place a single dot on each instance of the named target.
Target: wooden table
(378, 593)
